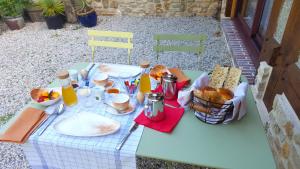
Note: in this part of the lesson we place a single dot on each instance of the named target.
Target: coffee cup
(120, 101)
(100, 79)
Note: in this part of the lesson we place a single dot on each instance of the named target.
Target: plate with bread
(213, 101)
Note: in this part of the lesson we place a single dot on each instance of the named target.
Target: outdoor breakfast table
(238, 145)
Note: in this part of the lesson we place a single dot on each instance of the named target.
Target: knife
(88, 72)
(132, 129)
(168, 105)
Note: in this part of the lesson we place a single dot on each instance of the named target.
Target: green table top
(239, 145)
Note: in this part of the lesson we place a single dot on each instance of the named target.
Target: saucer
(130, 109)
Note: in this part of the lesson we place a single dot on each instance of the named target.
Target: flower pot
(35, 14)
(14, 23)
(88, 19)
(55, 22)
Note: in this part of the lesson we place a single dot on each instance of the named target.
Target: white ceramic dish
(49, 102)
(122, 71)
(100, 79)
(87, 124)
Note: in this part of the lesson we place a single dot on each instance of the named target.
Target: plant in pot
(87, 15)
(34, 12)
(11, 11)
(53, 11)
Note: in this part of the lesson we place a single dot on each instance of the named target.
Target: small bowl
(101, 79)
(113, 91)
(36, 92)
(120, 101)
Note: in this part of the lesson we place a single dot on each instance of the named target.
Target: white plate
(87, 124)
(122, 71)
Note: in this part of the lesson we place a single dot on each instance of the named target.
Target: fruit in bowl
(45, 97)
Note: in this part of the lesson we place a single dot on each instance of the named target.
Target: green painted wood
(179, 37)
(187, 37)
(162, 48)
(239, 145)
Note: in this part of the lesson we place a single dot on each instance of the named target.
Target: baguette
(218, 77)
(233, 78)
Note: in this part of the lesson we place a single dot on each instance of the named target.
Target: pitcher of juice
(145, 84)
(68, 94)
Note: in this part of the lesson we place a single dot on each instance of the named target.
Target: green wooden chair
(198, 49)
(93, 43)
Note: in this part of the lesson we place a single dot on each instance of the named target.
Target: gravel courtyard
(30, 57)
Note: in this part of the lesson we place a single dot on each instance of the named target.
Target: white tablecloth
(56, 151)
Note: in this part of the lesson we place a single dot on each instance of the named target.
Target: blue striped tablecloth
(56, 151)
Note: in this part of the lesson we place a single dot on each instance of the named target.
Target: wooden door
(281, 50)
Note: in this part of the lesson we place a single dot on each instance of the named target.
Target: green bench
(198, 49)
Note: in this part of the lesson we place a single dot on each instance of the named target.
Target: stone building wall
(283, 131)
(158, 7)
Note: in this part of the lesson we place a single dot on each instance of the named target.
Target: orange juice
(69, 95)
(145, 84)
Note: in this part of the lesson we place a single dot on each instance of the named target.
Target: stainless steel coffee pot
(154, 107)
(168, 82)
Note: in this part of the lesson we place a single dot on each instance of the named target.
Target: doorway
(253, 17)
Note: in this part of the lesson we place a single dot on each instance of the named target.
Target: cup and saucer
(121, 103)
(102, 80)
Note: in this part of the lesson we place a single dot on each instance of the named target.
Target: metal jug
(169, 86)
(154, 107)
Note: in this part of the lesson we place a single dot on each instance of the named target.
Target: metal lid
(169, 77)
(144, 64)
(63, 74)
(155, 96)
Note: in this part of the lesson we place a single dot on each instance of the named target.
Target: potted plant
(87, 15)
(11, 11)
(53, 11)
(34, 12)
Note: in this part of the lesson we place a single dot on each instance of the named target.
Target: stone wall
(158, 7)
(283, 131)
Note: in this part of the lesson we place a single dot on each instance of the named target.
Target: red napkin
(172, 117)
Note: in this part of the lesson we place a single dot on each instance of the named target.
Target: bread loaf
(218, 76)
(233, 78)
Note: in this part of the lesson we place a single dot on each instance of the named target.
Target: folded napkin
(172, 117)
(23, 125)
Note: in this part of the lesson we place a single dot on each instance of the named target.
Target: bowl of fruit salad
(45, 97)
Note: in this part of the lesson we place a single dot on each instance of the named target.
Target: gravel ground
(30, 57)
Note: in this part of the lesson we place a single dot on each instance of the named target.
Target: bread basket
(210, 112)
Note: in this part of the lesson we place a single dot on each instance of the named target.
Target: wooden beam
(233, 8)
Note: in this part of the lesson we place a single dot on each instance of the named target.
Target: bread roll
(225, 94)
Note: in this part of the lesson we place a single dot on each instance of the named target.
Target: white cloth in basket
(239, 100)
